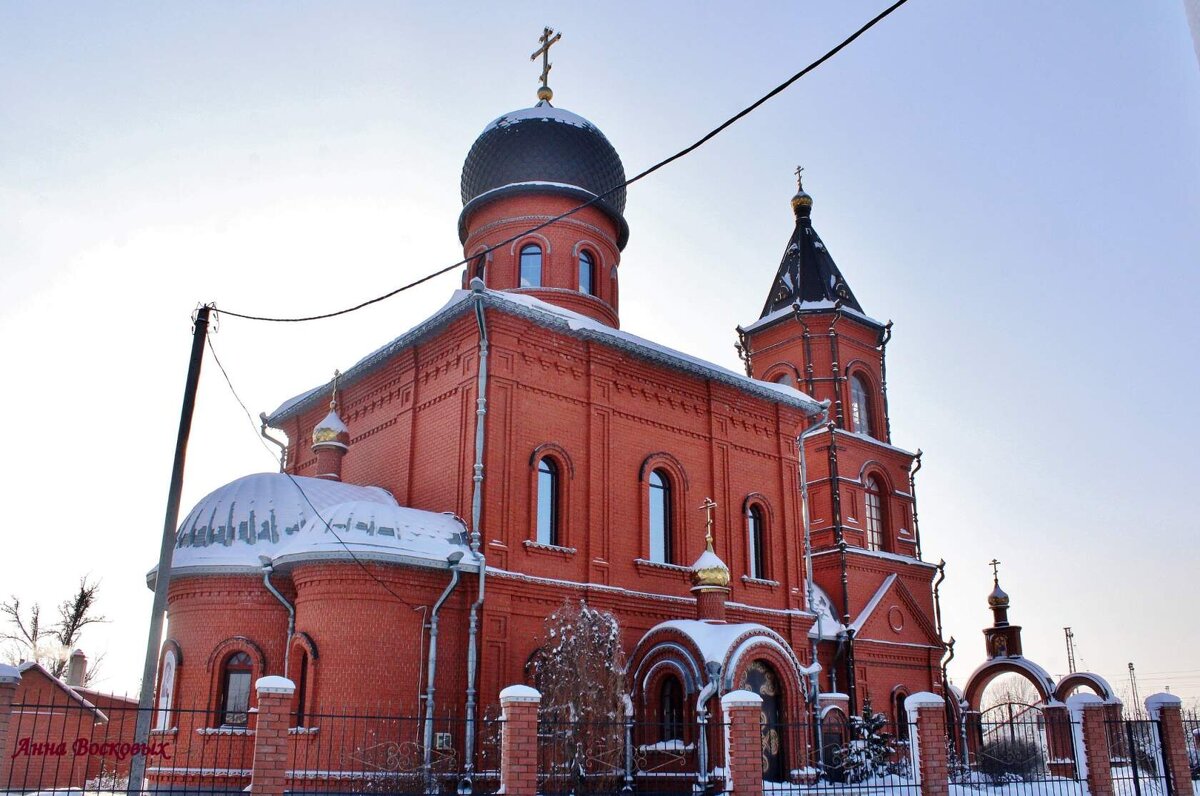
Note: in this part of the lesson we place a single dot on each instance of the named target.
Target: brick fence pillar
(271, 735)
(1094, 759)
(1061, 741)
(742, 712)
(10, 678)
(930, 758)
(1167, 710)
(518, 746)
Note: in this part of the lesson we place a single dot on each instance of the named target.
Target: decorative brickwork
(1089, 711)
(1167, 709)
(928, 711)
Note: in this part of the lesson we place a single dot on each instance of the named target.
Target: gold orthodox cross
(995, 565)
(800, 178)
(707, 507)
(337, 374)
(548, 39)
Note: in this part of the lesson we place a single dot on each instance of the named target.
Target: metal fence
(1191, 729)
(1018, 750)
(1138, 764)
(73, 744)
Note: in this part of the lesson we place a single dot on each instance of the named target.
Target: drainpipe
(815, 681)
(427, 762)
(884, 337)
(267, 569)
(912, 496)
(477, 290)
(834, 367)
(808, 360)
(840, 537)
(713, 669)
(282, 445)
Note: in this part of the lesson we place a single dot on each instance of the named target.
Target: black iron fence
(1138, 762)
(1191, 731)
(78, 745)
(1018, 750)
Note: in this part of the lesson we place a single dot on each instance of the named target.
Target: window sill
(303, 730)
(164, 731)
(541, 547)
(224, 731)
(658, 568)
(760, 583)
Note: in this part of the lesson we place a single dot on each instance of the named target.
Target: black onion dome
(547, 150)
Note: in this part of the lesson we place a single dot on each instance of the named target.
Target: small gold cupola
(331, 439)
(801, 202)
(710, 575)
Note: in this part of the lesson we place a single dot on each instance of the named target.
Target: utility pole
(1137, 702)
(1070, 649)
(162, 578)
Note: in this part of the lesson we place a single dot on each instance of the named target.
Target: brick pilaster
(742, 711)
(1166, 709)
(1061, 741)
(518, 748)
(271, 735)
(1094, 760)
(931, 765)
(10, 678)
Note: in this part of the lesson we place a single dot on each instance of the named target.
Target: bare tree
(1010, 689)
(31, 640)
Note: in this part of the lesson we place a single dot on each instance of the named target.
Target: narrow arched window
(874, 505)
(531, 266)
(670, 710)
(901, 716)
(302, 690)
(660, 518)
(757, 542)
(235, 689)
(785, 379)
(587, 280)
(860, 406)
(479, 269)
(166, 691)
(547, 502)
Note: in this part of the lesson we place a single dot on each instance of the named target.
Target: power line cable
(299, 488)
(667, 161)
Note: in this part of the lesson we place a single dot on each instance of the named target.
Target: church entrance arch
(762, 679)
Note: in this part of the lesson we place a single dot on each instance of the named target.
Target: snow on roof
(827, 625)
(808, 306)
(255, 515)
(862, 551)
(1032, 669)
(543, 111)
(572, 323)
(27, 666)
(866, 612)
(362, 529)
(714, 639)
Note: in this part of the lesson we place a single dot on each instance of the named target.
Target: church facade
(518, 450)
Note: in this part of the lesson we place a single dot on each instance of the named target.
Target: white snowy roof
(572, 323)
(543, 110)
(827, 625)
(807, 306)
(276, 514)
(367, 530)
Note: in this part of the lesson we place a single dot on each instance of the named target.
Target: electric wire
(299, 488)
(646, 173)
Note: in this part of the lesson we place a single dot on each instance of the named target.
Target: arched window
(587, 282)
(660, 518)
(786, 379)
(166, 690)
(302, 689)
(479, 269)
(547, 502)
(860, 406)
(901, 716)
(531, 266)
(757, 542)
(670, 710)
(235, 689)
(875, 515)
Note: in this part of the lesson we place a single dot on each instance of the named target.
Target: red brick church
(517, 449)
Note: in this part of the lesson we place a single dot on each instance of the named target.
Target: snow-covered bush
(1010, 759)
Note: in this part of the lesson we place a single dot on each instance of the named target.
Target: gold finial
(548, 39)
(707, 507)
(801, 199)
(333, 401)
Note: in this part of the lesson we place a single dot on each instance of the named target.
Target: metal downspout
(267, 569)
(477, 289)
(283, 448)
(912, 496)
(427, 745)
(835, 368)
(884, 337)
(815, 677)
(713, 670)
(840, 537)
(808, 361)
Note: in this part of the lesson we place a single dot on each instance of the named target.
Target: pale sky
(1014, 184)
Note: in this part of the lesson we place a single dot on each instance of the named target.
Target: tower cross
(995, 565)
(333, 401)
(707, 507)
(800, 178)
(548, 39)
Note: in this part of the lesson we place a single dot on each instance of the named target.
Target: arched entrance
(763, 680)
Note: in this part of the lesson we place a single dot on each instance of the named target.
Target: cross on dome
(548, 39)
(995, 565)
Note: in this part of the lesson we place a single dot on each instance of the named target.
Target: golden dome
(332, 431)
(710, 571)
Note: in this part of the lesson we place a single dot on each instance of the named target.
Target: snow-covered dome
(546, 150)
(368, 530)
(331, 431)
(710, 571)
(256, 515)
